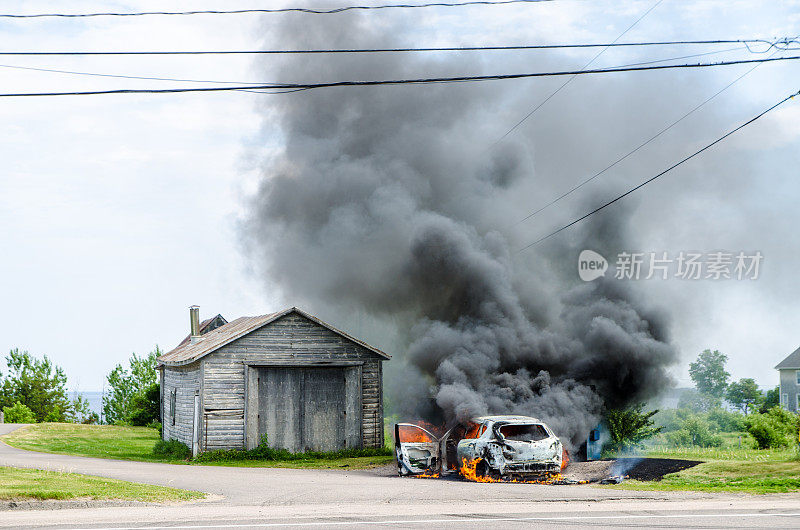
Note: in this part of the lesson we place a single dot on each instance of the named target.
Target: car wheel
(482, 468)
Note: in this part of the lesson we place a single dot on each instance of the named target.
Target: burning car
(483, 449)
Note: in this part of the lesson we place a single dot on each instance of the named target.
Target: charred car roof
(506, 419)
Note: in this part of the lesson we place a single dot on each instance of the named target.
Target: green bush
(18, 413)
(672, 419)
(726, 421)
(265, 452)
(678, 438)
(696, 432)
(766, 434)
(775, 428)
(172, 449)
(629, 428)
(145, 407)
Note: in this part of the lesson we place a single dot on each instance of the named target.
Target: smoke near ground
(392, 201)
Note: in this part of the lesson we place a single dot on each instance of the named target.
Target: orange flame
(469, 472)
(474, 431)
(564, 458)
(409, 434)
(427, 475)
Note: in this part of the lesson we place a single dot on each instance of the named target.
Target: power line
(704, 54)
(780, 43)
(148, 78)
(643, 144)
(183, 80)
(569, 80)
(651, 179)
(117, 76)
(420, 81)
(277, 10)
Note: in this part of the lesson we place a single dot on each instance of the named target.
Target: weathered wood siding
(184, 380)
(293, 340)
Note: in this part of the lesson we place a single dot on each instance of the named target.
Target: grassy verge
(36, 484)
(136, 443)
(731, 470)
(356, 462)
(265, 456)
(99, 441)
(740, 454)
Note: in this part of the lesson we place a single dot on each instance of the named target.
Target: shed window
(784, 400)
(797, 376)
(172, 400)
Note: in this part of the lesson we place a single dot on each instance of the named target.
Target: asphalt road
(266, 498)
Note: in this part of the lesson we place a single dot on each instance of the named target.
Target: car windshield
(524, 433)
(475, 430)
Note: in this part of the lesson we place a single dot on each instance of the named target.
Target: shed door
(303, 409)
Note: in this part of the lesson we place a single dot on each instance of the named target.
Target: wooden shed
(289, 376)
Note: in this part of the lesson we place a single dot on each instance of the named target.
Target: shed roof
(189, 352)
(792, 362)
(204, 327)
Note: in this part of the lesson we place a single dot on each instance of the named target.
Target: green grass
(357, 462)
(136, 443)
(731, 469)
(743, 454)
(730, 476)
(37, 484)
(100, 441)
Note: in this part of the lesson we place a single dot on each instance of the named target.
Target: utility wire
(277, 10)
(183, 80)
(783, 43)
(147, 78)
(419, 81)
(96, 74)
(652, 138)
(651, 179)
(705, 54)
(569, 80)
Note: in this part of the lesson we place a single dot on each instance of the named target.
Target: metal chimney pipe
(194, 322)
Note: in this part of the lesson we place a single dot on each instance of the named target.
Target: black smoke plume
(392, 201)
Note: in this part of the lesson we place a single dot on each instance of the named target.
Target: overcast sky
(120, 211)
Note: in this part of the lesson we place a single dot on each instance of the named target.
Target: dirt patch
(650, 468)
(592, 471)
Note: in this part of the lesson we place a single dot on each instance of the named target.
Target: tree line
(34, 390)
(712, 387)
(702, 419)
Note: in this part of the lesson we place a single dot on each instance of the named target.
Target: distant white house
(789, 370)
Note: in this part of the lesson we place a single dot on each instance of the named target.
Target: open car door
(417, 450)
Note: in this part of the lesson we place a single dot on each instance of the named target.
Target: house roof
(792, 362)
(189, 352)
(203, 327)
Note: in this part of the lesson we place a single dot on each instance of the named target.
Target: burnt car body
(489, 446)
